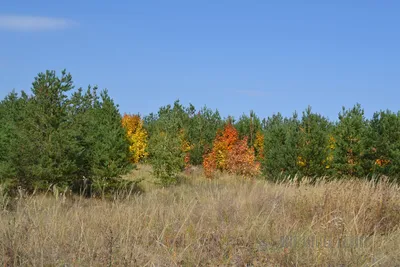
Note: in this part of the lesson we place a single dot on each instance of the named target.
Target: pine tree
(348, 135)
(165, 142)
(201, 132)
(109, 147)
(52, 139)
(11, 112)
(47, 146)
(281, 141)
(313, 144)
(382, 144)
(248, 126)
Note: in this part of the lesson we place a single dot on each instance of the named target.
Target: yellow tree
(186, 147)
(136, 135)
(259, 146)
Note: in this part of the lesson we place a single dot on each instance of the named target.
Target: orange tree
(231, 154)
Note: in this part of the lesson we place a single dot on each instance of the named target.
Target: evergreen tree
(11, 113)
(109, 148)
(348, 146)
(50, 138)
(248, 126)
(165, 143)
(313, 156)
(201, 132)
(382, 144)
(48, 151)
(281, 140)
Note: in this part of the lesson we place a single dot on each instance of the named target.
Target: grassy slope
(223, 222)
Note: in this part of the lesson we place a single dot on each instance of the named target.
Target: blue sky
(237, 56)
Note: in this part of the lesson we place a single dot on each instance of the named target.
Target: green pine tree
(313, 155)
(281, 139)
(348, 135)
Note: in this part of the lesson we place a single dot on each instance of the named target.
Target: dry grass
(200, 223)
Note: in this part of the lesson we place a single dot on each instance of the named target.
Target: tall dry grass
(201, 223)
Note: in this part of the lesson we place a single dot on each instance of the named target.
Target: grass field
(224, 222)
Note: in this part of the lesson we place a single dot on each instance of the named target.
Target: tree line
(59, 135)
(308, 145)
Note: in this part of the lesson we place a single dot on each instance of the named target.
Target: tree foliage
(57, 136)
(349, 133)
(382, 145)
(281, 146)
(231, 154)
(166, 142)
(136, 135)
(313, 147)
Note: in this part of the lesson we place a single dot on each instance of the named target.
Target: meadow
(187, 187)
(226, 221)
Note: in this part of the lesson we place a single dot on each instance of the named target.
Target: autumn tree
(136, 135)
(231, 154)
(259, 146)
(223, 145)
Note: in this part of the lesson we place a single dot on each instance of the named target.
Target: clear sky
(237, 56)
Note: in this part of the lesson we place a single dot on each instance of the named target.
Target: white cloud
(32, 23)
(252, 92)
